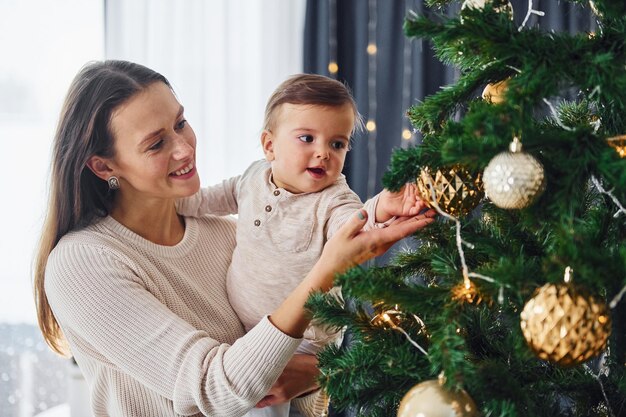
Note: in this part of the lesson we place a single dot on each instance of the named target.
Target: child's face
(307, 146)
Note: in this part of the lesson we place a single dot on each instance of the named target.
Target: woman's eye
(306, 138)
(156, 145)
(180, 125)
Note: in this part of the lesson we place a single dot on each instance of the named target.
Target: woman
(137, 292)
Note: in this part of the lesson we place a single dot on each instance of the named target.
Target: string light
(370, 125)
(466, 292)
(556, 117)
(407, 77)
(371, 49)
(531, 11)
(333, 67)
(597, 378)
(621, 209)
(392, 318)
(595, 123)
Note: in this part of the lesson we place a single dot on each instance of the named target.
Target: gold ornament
(431, 399)
(394, 317)
(466, 292)
(388, 318)
(494, 93)
(456, 190)
(619, 144)
(562, 323)
(515, 179)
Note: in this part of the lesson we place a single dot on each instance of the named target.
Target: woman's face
(155, 148)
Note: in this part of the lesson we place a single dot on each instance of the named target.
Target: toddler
(292, 202)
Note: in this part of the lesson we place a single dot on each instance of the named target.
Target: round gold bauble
(515, 179)
(619, 144)
(564, 324)
(431, 399)
(456, 191)
(494, 93)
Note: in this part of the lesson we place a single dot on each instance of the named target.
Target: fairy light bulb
(568, 274)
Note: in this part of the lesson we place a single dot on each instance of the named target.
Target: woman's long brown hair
(77, 196)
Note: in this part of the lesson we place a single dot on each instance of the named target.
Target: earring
(114, 183)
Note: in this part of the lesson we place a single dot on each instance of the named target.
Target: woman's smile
(185, 172)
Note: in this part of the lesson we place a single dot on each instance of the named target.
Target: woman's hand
(351, 246)
(299, 377)
(348, 247)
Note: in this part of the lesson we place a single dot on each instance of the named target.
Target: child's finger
(411, 189)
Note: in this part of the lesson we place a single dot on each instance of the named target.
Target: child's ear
(267, 142)
(100, 167)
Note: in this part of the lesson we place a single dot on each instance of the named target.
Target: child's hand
(404, 203)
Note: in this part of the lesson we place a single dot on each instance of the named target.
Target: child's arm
(380, 209)
(219, 200)
(404, 203)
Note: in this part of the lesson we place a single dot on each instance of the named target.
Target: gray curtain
(399, 74)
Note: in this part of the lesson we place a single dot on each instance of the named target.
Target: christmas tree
(511, 304)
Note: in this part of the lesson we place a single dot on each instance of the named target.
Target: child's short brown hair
(311, 89)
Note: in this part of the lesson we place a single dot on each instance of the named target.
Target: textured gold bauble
(564, 324)
(494, 93)
(456, 190)
(514, 179)
(619, 144)
(431, 399)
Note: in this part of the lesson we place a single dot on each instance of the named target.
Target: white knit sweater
(151, 327)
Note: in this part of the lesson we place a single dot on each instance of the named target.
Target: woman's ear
(267, 142)
(100, 167)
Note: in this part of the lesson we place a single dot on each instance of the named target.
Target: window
(43, 45)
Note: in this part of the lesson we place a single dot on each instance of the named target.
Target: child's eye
(306, 138)
(180, 125)
(339, 144)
